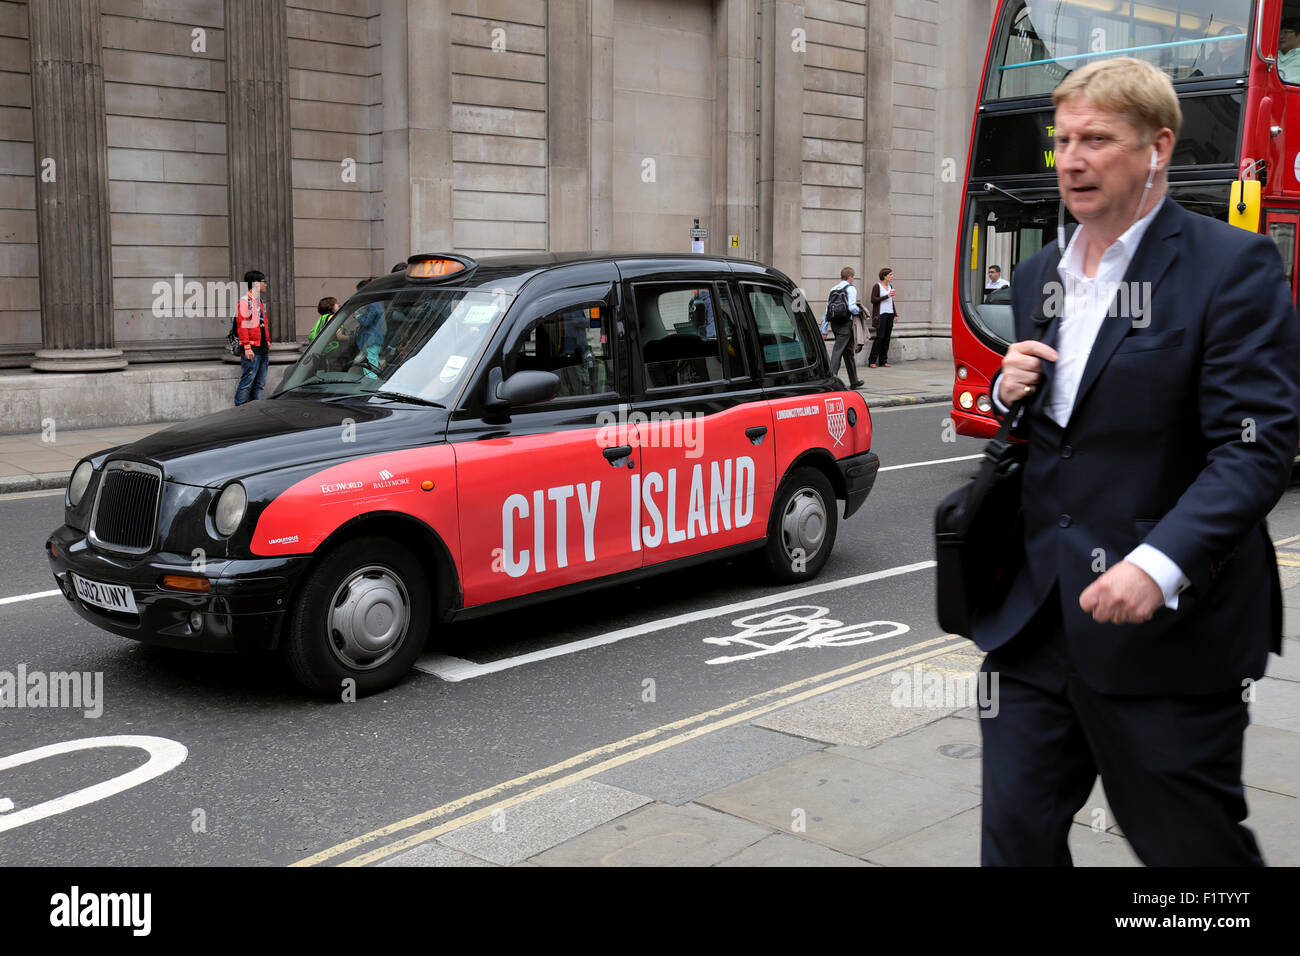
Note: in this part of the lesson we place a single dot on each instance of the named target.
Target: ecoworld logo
(334, 488)
(74, 909)
(57, 689)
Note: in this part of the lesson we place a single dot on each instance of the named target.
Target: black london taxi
(467, 436)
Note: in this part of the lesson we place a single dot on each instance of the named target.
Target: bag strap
(995, 457)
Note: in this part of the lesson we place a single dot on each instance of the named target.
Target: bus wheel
(363, 615)
(801, 530)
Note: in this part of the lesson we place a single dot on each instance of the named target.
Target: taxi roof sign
(436, 266)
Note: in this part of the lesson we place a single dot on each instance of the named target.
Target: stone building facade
(148, 144)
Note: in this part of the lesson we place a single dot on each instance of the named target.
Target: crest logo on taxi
(721, 498)
(837, 419)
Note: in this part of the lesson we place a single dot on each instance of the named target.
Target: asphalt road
(272, 776)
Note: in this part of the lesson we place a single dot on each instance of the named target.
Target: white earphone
(1155, 160)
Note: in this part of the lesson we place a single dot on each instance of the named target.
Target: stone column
(735, 203)
(568, 125)
(601, 91)
(780, 139)
(418, 175)
(877, 204)
(69, 141)
(258, 159)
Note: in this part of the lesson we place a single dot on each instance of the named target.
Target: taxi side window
(687, 334)
(783, 339)
(574, 343)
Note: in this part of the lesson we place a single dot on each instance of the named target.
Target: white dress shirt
(1087, 304)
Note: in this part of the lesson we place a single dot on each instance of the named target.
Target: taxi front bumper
(859, 475)
(242, 611)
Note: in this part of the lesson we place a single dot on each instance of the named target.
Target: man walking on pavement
(250, 325)
(1158, 440)
(841, 307)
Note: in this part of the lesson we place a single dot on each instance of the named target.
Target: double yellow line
(606, 757)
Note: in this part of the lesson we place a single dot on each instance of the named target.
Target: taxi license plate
(111, 597)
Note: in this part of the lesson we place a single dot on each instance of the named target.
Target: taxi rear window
(784, 340)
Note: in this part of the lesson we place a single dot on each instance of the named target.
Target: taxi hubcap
(368, 617)
(803, 526)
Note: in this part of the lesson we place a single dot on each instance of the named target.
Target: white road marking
(29, 597)
(456, 669)
(937, 461)
(164, 755)
(799, 625)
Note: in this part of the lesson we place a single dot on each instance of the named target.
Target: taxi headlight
(78, 482)
(984, 404)
(965, 399)
(230, 508)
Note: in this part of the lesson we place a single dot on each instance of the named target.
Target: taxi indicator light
(185, 582)
(427, 485)
(433, 267)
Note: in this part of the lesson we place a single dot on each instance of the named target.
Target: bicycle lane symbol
(797, 626)
(164, 755)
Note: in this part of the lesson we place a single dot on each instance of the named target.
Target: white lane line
(937, 461)
(16, 495)
(35, 595)
(455, 669)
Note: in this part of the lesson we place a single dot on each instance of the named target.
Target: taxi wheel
(362, 615)
(801, 531)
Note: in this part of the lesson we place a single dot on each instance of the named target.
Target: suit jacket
(1182, 436)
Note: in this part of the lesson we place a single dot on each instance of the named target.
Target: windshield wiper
(989, 187)
(400, 397)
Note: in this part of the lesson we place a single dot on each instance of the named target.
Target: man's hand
(1022, 369)
(1123, 595)
(248, 352)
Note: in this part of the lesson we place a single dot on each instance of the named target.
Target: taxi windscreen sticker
(837, 420)
(480, 314)
(450, 370)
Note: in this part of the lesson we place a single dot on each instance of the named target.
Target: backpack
(837, 305)
(233, 344)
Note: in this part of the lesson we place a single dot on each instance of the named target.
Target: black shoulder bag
(978, 529)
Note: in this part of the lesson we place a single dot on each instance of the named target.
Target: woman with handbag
(883, 313)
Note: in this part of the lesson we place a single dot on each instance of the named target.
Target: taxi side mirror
(523, 388)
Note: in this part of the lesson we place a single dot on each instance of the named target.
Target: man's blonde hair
(1133, 88)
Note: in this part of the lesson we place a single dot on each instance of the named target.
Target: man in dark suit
(1160, 410)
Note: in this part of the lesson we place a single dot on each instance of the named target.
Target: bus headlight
(78, 482)
(230, 508)
(984, 404)
(965, 400)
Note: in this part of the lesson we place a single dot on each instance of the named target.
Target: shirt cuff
(1168, 576)
(993, 394)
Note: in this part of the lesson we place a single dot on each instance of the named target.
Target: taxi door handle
(618, 456)
(756, 434)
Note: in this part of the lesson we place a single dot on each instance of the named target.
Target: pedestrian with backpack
(254, 337)
(841, 307)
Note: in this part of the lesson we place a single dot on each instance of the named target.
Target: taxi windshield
(416, 344)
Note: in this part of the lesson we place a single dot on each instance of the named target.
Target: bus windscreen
(1042, 41)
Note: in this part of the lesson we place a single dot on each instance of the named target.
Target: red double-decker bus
(1237, 158)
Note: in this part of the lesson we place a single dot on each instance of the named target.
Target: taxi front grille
(126, 507)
